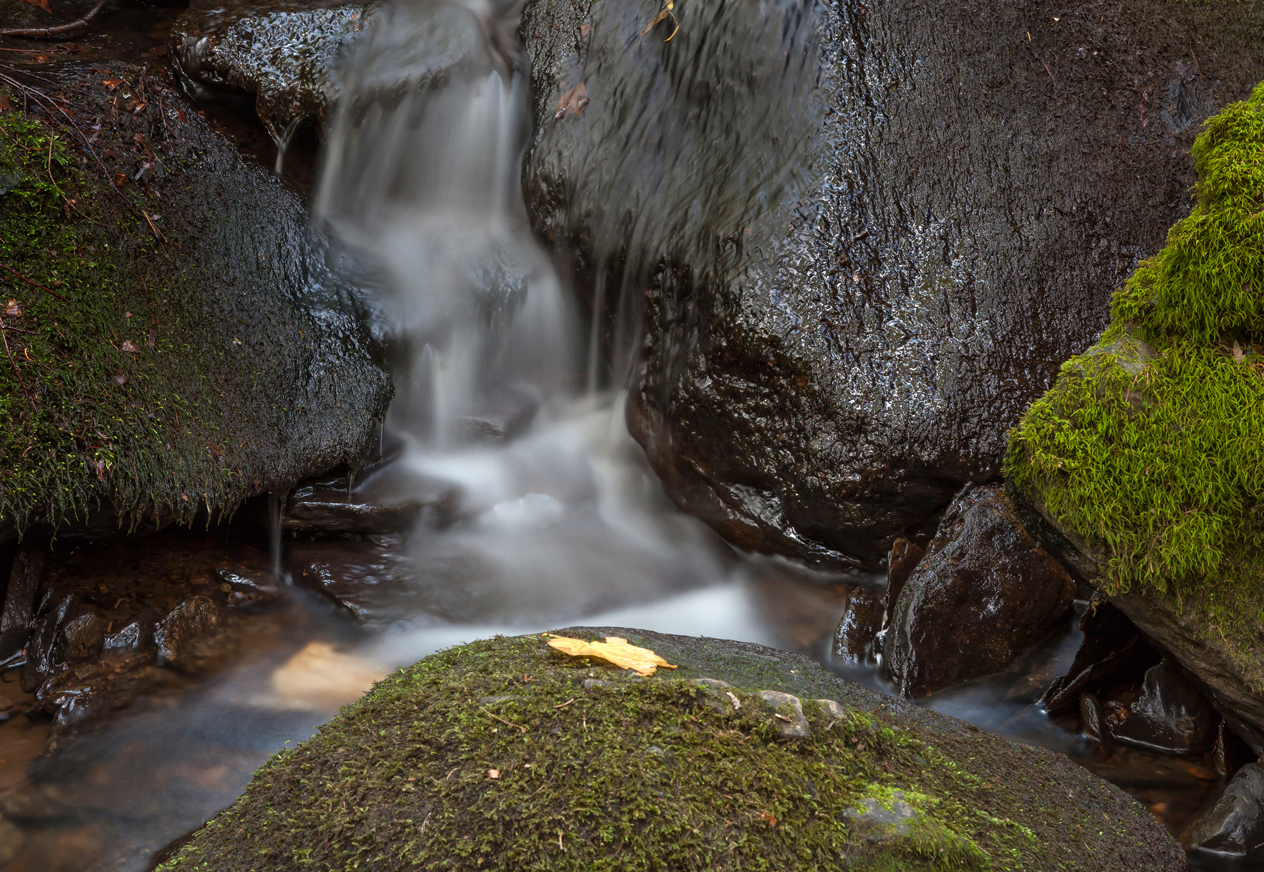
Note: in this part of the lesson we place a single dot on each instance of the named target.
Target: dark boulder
(853, 292)
(1236, 824)
(196, 350)
(901, 562)
(984, 593)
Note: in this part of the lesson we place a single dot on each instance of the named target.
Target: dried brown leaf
(573, 102)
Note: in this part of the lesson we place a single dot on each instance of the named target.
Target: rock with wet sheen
(1170, 715)
(189, 637)
(20, 599)
(861, 621)
(1235, 825)
(984, 593)
(280, 51)
(830, 353)
(1112, 652)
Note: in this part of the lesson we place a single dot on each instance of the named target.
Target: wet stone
(247, 590)
(42, 654)
(190, 637)
(1171, 715)
(1231, 753)
(1113, 652)
(83, 637)
(903, 559)
(861, 621)
(984, 594)
(1235, 825)
(136, 636)
(503, 414)
(20, 598)
(324, 508)
(788, 713)
(1093, 719)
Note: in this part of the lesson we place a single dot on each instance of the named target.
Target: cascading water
(421, 191)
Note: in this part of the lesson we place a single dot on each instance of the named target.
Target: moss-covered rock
(173, 342)
(504, 754)
(1148, 452)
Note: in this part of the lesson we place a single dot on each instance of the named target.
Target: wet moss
(1147, 449)
(494, 755)
(162, 359)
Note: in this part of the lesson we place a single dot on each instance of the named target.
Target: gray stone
(788, 714)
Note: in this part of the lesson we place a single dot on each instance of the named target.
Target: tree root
(58, 30)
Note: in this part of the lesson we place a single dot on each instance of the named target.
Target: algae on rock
(1147, 453)
(502, 754)
(172, 341)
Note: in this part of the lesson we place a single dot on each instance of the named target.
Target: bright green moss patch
(495, 755)
(1150, 446)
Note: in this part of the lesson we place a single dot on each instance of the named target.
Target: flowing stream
(557, 518)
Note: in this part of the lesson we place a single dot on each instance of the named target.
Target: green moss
(78, 406)
(1148, 447)
(642, 774)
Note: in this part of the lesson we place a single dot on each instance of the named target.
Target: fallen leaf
(215, 452)
(573, 102)
(319, 678)
(121, 379)
(13, 309)
(129, 346)
(42, 4)
(772, 821)
(5, 105)
(1237, 351)
(493, 773)
(614, 650)
(112, 83)
(120, 179)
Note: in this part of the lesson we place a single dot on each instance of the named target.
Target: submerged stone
(984, 593)
(1170, 715)
(648, 773)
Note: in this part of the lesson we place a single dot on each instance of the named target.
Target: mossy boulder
(1147, 455)
(173, 340)
(505, 754)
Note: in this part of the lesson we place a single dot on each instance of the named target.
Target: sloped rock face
(191, 348)
(827, 360)
(506, 738)
(983, 594)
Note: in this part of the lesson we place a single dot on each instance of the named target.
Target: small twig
(19, 330)
(16, 371)
(59, 29)
(1050, 72)
(34, 284)
(565, 704)
(503, 721)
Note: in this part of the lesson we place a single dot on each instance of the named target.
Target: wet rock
(1113, 652)
(1230, 753)
(43, 653)
(901, 562)
(19, 599)
(503, 415)
(369, 582)
(189, 638)
(280, 51)
(1030, 808)
(83, 637)
(1170, 716)
(246, 590)
(374, 507)
(1235, 825)
(226, 381)
(984, 593)
(1093, 719)
(137, 636)
(787, 711)
(823, 372)
(861, 621)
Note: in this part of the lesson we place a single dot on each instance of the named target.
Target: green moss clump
(1148, 449)
(78, 359)
(494, 755)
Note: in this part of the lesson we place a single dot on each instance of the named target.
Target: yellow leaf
(614, 650)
